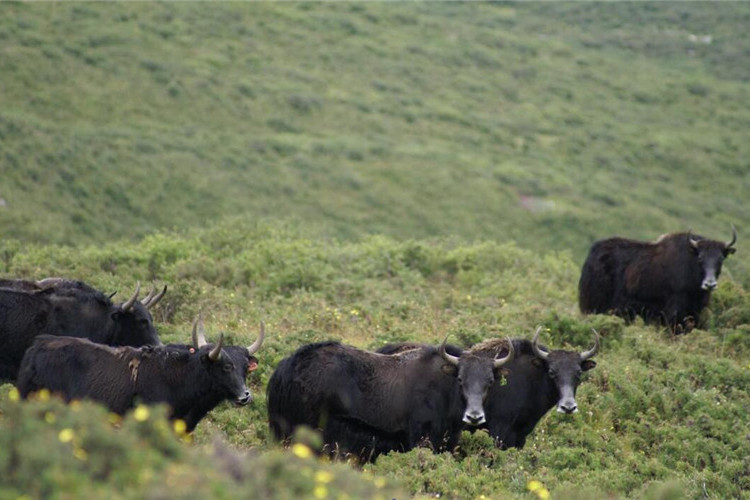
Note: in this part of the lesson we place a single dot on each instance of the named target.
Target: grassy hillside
(549, 125)
(660, 416)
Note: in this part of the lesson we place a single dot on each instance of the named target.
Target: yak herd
(65, 336)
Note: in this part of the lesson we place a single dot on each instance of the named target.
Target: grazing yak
(668, 281)
(536, 380)
(69, 308)
(367, 403)
(190, 380)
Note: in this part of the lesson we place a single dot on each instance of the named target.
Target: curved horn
(112, 295)
(500, 362)
(535, 346)
(156, 298)
(256, 345)
(215, 353)
(199, 336)
(148, 297)
(591, 352)
(128, 305)
(448, 357)
(734, 238)
(693, 243)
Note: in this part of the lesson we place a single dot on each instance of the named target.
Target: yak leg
(676, 313)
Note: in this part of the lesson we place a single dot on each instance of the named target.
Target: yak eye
(552, 374)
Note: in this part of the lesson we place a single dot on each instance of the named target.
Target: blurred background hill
(549, 124)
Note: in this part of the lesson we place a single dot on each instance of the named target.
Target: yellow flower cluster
(538, 488)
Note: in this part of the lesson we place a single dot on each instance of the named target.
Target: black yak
(366, 403)
(668, 281)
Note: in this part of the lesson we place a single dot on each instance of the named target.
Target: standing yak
(192, 380)
(366, 403)
(668, 281)
(69, 308)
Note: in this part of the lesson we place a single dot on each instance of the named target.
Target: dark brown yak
(668, 281)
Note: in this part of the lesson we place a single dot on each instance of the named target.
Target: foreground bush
(49, 449)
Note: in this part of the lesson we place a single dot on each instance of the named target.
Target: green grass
(376, 172)
(411, 120)
(660, 415)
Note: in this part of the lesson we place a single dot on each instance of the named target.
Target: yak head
(710, 255)
(475, 375)
(564, 368)
(231, 364)
(132, 320)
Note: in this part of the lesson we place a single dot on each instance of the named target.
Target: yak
(366, 403)
(535, 381)
(69, 308)
(668, 282)
(190, 380)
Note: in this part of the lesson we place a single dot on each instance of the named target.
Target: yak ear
(729, 251)
(539, 363)
(588, 365)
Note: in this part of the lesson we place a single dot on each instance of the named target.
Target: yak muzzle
(474, 418)
(567, 408)
(245, 399)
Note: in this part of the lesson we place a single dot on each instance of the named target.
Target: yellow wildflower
(301, 450)
(534, 485)
(43, 395)
(320, 491)
(141, 413)
(543, 494)
(180, 427)
(66, 435)
(49, 417)
(323, 476)
(14, 395)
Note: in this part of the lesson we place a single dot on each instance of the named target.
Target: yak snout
(474, 417)
(244, 399)
(567, 407)
(708, 284)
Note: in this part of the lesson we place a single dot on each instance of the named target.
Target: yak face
(225, 375)
(475, 375)
(134, 326)
(709, 256)
(564, 369)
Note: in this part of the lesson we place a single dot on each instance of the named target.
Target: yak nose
(474, 417)
(245, 399)
(567, 408)
(709, 284)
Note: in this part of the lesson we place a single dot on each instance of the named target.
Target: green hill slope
(551, 125)
(660, 415)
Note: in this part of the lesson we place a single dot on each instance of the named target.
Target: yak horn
(256, 345)
(500, 362)
(535, 346)
(215, 353)
(591, 352)
(128, 305)
(199, 337)
(148, 297)
(693, 243)
(734, 238)
(153, 300)
(448, 357)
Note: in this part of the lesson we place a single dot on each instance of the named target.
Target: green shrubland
(379, 172)
(661, 416)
